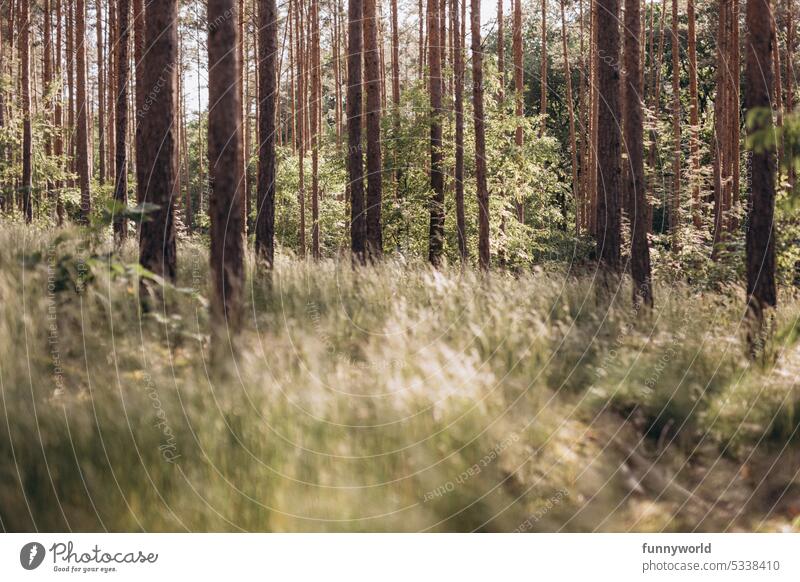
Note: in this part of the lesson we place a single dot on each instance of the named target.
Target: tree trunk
(355, 158)
(436, 230)
(543, 70)
(675, 199)
(790, 48)
(694, 115)
(570, 111)
(760, 232)
(372, 82)
(265, 213)
(519, 88)
(480, 137)
(159, 140)
(82, 111)
(101, 97)
(609, 152)
(314, 122)
(121, 181)
(461, 227)
(634, 146)
(27, 144)
(141, 91)
(226, 164)
(59, 110)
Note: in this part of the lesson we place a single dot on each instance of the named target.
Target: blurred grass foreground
(387, 398)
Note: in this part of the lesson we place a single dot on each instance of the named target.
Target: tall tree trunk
(302, 99)
(141, 91)
(314, 123)
(436, 230)
(25, 96)
(226, 164)
(609, 152)
(675, 199)
(790, 48)
(480, 137)
(59, 109)
(519, 88)
(760, 232)
(461, 227)
(372, 81)
(121, 182)
(159, 140)
(570, 111)
(543, 69)
(694, 115)
(355, 158)
(634, 146)
(265, 213)
(82, 111)
(101, 98)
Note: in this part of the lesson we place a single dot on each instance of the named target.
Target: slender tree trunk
(141, 91)
(570, 111)
(436, 230)
(761, 289)
(543, 70)
(355, 158)
(675, 199)
(302, 99)
(226, 165)
(519, 88)
(694, 115)
(265, 213)
(121, 182)
(159, 139)
(82, 111)
(609, 152)
(372, 81)
(480, 137)
(101, 98)
(790, 48)
(461, 227)
(59, 113)
(25, 96)
(314, 120)
(634, 146)
(777, 88)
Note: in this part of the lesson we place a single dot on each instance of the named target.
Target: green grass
(387, 398)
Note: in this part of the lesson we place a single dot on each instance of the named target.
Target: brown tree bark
(372, 82)
(121, 181)
(519, 88)
(675, 199)
(302, 98)
(694, 115)
(25, 95)
(141, 91)
(101, 97)
(634, 146)
(609, 152)
(571, 113)
(82, 114)
(436, 230)
(355, 158)
(543, 69)
(314, 122)
(480, 137)
(226, 165)
(458, 49)
(790, 48)
(159, 158)
(59, 109)
(760, 243)
(265, 213)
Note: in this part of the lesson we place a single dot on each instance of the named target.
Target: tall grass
(392, 397)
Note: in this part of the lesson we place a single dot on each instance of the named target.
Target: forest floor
(389, 398)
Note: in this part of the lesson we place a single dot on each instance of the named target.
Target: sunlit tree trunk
(609, 152)
(570, 111)
(25, 95)
(436, 229)
(458, 49)
(372, 82)
(675, 199)
(265, 212)
(480, 137)
(694, 115)
(82, 115)
(101, 97)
